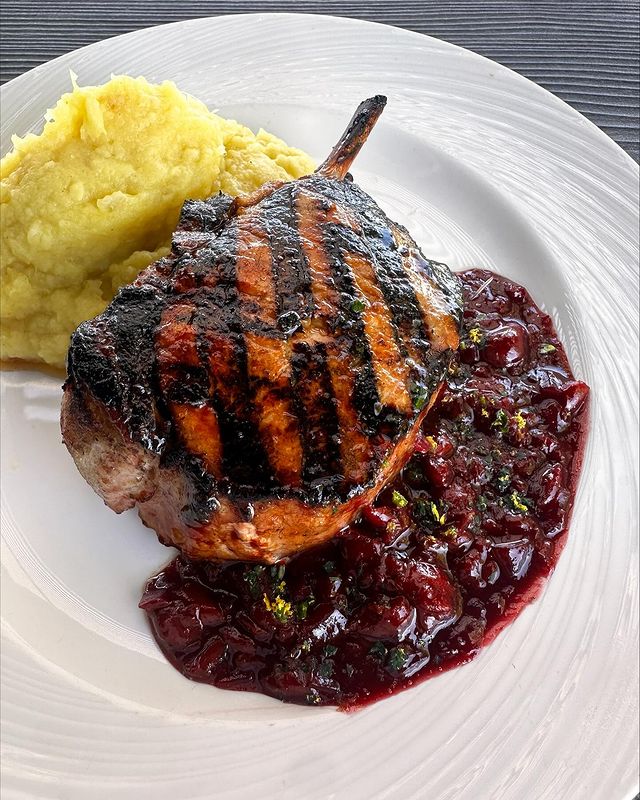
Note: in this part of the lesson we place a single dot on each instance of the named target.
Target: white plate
(485, 168)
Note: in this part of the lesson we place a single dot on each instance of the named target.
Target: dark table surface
(586, 52)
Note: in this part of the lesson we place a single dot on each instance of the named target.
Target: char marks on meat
(251, 392)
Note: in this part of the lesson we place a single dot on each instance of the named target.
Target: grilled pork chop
(251, 392)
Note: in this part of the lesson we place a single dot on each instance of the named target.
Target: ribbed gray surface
(587, 53)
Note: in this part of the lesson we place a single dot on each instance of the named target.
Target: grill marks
(285, 359)
(292, 281)
(365, 391)
(441, 326)
(254, 277)
(400, 298)
(268, 353)
(390, 370)
(199, 431)
(387, 251)
(354, 444)
(184, 385)
(318, 412)
(268, 362)
(244, 460)
(203, 378)
(323, 286)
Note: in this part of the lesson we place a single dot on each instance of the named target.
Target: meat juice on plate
(447, 555)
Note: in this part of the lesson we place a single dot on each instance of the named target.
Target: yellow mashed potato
(95, 197)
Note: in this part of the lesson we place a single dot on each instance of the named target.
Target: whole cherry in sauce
(444, 558)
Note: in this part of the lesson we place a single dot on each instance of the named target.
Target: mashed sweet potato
(94, 198)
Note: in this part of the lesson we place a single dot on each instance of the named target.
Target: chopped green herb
(547, 348)
(450, 531)
(437, 514)
(359, 348)
(503, 479)
(521, 422)
(413, 473)
(280, 608)
(306, 646)
(393, 527)
(378, 650)
(519, 503)
(325, 669)
(501, 422)
(302, 609)
(433, 445)
(481, 503)
(330, 650)
(476, 336)
(397, 658)
(329, 567)
(313, 698)
(420, 397)
(462, 428)
(399, 500)
(252, 578)
(420, 509)
(358, 306)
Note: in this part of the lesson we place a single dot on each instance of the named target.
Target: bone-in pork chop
(251, 392)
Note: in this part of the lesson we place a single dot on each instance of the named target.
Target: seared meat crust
(261, 384)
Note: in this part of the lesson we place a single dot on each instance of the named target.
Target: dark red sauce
(443, 560)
